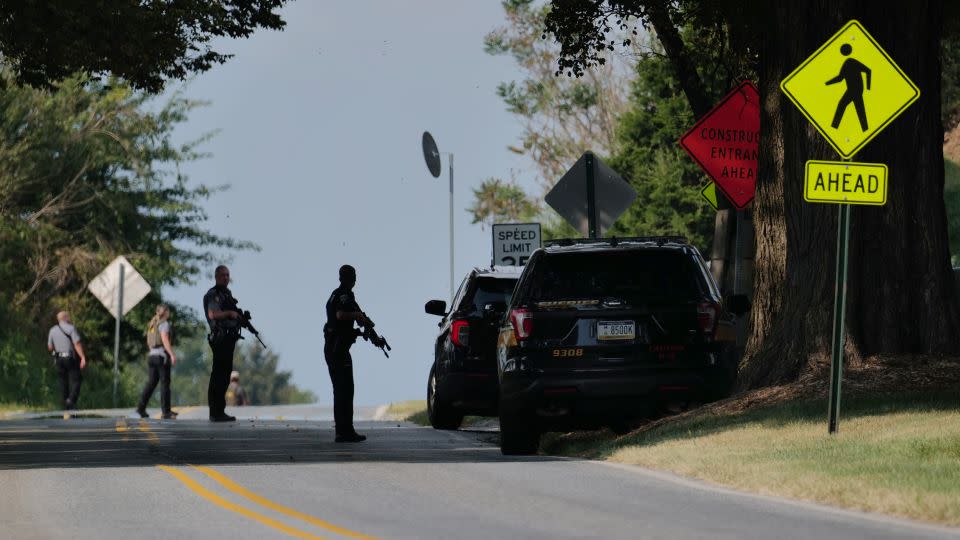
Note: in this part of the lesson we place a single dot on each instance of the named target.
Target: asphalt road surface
(282, 476)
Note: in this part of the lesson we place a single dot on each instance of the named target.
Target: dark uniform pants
(68, 370)
(159, 371)
(220, 374)
(340, 366)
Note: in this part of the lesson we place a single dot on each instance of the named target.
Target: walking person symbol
(850, 73)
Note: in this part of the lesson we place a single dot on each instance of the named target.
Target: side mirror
(738, 304)
(494, 309)
(436, 307)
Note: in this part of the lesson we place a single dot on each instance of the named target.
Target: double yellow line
(233, 487)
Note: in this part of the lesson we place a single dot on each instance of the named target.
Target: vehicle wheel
(518, 437)
(441, 414)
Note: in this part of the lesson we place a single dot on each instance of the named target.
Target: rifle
(367, 332)
(245, 322)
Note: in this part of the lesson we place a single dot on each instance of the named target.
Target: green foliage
(88, 171)
(951, 196)
(667, 181)
(143, 42)
(561, 117)
(496, 201)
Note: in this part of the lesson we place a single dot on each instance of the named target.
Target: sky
(319, 136)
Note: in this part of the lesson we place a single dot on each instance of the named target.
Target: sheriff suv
(463, 377)
(600, 332)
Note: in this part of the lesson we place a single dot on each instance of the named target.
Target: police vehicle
(599, 332)
(463, 377)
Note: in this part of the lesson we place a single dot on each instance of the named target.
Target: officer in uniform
(63, 342)
(220, 308)
(339, 335)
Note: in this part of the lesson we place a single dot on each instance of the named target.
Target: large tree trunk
(900, 297)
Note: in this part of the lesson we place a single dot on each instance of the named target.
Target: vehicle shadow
(95, 443)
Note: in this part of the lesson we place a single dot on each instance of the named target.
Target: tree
(561, 117)
(44, 41)
(900, 292)
(88, 171)
(496, 201)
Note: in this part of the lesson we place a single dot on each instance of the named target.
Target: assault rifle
(367, 332)
(245, 323)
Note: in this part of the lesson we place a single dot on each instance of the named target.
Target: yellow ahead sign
(845, 182)
(850, 89)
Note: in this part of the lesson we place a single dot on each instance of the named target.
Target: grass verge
(894, 454)
(7, 409)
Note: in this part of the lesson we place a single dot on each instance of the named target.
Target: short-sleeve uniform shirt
(62, 336)
(341, 299)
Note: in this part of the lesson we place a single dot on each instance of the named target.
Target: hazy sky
(319, 138)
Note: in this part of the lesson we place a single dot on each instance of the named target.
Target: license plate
(616, 330)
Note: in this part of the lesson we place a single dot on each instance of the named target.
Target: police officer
(224, 319)
(63, 342)
(339, 335)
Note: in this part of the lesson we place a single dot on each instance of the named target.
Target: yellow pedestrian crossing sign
(850, 89)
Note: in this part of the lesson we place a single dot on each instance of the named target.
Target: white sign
(513, 243)
(105, 286)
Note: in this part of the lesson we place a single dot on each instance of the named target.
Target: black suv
(463, 378)
(600, 332)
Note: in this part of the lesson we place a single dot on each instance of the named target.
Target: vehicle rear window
(631, 276)
(489, 290)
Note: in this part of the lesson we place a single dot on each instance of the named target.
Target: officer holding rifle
(339, 335)
(225, 319)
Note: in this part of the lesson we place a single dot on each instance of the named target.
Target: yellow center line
(244, 492)
(121, 427)
(233, 507)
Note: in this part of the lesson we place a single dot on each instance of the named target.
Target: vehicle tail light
(460, 333)
(522, 321)
(707, 317)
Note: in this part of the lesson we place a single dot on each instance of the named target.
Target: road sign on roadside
(513, 243)
(709, 193)
(845, 182)
(119, 288)
(591, 196)
(726, 143)
(106, 286)
(850, 89)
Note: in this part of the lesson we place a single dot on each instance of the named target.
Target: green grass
(6, 409)
(415, 411)
(897, 455)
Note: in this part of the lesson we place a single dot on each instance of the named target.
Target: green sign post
(850, 90)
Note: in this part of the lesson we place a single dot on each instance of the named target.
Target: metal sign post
(116, 337)
(839, 315)
(591, 197)
(451, 228)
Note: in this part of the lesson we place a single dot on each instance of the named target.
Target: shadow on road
(91, 443)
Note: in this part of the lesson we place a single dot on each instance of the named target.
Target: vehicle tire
(441, 414)
(518, 437)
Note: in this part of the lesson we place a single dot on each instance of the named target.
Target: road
(282, 477)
